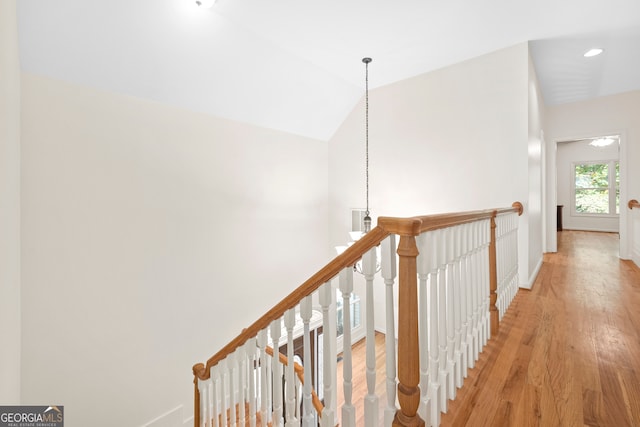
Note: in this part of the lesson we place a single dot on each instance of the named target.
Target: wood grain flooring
(568, 351)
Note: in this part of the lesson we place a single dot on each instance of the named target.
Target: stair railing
(457, 274)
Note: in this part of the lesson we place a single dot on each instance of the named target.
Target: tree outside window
(597, 188)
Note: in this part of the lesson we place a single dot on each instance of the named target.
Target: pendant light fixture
(367, 218)
(366, 222)
(367, 213)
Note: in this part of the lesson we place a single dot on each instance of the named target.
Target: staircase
(455, 276)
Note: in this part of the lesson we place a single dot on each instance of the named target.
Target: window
(596, 188)
(354, 306)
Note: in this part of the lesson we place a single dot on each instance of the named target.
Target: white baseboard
(533, 276)
(598, 230)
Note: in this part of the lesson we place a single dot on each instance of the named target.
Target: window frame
(613, 188)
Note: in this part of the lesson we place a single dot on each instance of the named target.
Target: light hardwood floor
(568, 351)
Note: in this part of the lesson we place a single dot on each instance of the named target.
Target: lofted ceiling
(295, 65)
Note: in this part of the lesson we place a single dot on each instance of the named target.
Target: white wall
(616, 114)
(9, 206)
(151, 237)
(580, 151)
(450, 140)
(536, 115)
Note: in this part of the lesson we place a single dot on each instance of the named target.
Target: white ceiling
(295, 65)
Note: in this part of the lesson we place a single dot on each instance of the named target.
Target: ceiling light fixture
(205, 4)
(593, 52)
(602, 142)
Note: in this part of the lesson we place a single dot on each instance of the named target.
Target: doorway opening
(589, 187)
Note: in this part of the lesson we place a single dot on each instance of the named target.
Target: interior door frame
(551, 189)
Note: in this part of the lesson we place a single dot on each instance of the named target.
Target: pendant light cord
(367, 218)
(367, 61)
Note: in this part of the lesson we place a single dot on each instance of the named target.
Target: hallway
(568, 351)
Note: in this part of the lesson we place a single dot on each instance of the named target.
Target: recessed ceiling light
(593, 52)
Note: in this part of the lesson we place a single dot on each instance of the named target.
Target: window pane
(618, 200)
(592, 176)
(592, 201)
(354, 309)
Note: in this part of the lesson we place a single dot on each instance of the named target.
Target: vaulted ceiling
(295, 65)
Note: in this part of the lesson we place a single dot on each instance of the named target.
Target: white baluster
(485, 289)
(276, 331)
(464, 289)
(479, 287)
(289, 323)
(370, 400)
(233, 396)
(458, 299)
(346, 287)
(443, 377)
(469, 293)
(486, 229)
(251, 361)
(223, 390)
(211, 397)
(505, 261)
(203, 388)
(264, 383)
(389, 275)
(510, 263)
(448, 242)
(270, 387)
(215, 382)
(514, 252)
(430, 243)
(506, 264)
(325, 295)
(476, 291)
(308, 416)
(242, 384)
(482, 267)
(425, 264)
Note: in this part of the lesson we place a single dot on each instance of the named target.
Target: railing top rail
(633, 203)
(386, 226)
(420, 224)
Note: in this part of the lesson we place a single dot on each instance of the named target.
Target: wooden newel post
(493, 278)
(408, 344)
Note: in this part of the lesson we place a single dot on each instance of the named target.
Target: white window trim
(612, 186)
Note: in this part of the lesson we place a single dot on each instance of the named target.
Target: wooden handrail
(633, 203)
(420, 224)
